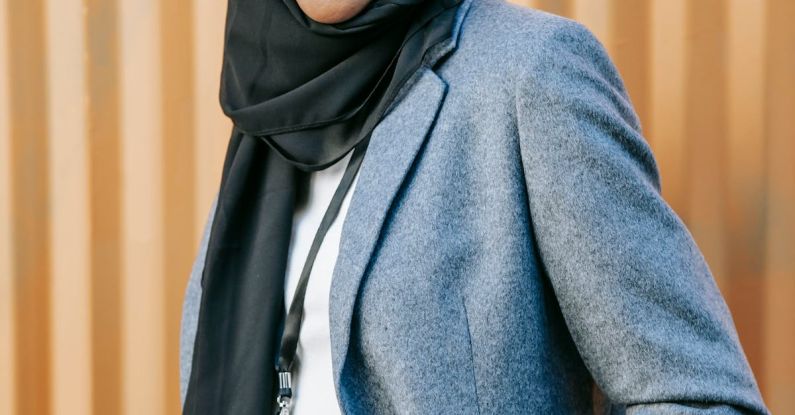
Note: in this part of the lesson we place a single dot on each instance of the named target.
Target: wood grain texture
(103, 135)
(665, 125)
(212, 127)
(745, 174)
(705, 127)
(143, 318)
(8, 389)
(28, 97)
(69, 213)
(778, 370)
(178, 180)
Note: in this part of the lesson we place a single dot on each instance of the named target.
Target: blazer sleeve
(191, 303)
(635, 291)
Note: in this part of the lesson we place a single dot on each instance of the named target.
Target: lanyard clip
(285, 393)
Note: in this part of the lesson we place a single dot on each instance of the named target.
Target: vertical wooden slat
(177, 67)
(705, 124)
(212, 127)
(70, 318)
(630, 38)
(29, 203)
(665, 125)
(8, 392)
(102, 82)
(745, 140)
(779, 323)
(143, 341)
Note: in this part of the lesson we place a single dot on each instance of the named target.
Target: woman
(497, 242)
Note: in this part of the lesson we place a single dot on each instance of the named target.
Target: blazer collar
(394, 145)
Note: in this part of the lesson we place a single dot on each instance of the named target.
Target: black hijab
(301, 95)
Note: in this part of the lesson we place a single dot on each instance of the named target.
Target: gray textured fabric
(507, 249)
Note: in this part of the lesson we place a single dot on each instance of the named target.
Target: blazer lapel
(394, 145)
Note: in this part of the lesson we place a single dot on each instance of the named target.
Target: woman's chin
(331, 11)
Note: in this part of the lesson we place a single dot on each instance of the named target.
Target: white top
(313, 384)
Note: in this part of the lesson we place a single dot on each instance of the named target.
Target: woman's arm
(635, 291)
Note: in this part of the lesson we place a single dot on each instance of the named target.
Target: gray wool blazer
(507, 249)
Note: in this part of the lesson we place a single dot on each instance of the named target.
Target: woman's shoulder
(516, 40)
(508, 53)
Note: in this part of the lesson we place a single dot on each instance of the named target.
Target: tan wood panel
(143, 311)
(665, 127)
(745, 175)
(178, 181)
(69, 214)
(779, 322)
(212, 127)
(102, 112)
(630, 45)
(8, 393)
(29, 204)
(705, 128)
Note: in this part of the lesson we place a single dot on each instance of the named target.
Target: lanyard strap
(292, 324)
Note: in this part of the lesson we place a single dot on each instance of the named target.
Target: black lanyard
(292, 324)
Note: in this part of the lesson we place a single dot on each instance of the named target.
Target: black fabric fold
(301, 95)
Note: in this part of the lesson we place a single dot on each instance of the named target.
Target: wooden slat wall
(8, 387)
(744, 172)
(778, 360)
(111, 141)
(29, 199)
(101, 44)
(143, 222)
(70, 292)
